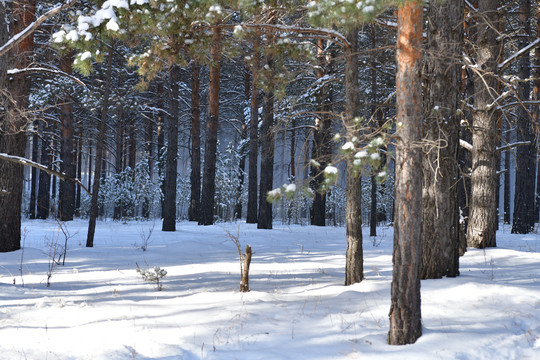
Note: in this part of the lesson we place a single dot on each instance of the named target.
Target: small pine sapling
(153, 275)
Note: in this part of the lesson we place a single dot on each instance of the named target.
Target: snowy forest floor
(99, 307)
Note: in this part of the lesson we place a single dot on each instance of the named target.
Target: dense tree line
(201, 110)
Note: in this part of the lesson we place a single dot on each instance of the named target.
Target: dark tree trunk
(13, 140)
(149, 150)
(34, 181)
(322, 147)
(118, 163)
(79, 176)
(442, 77)
(195, 177)
(405, 314)
(354, 258)
(251, 216)
(264, 219)
(44, 193)
(209, 173)
(169, 193)
(536, 115)
(506, 195)
(66, 198)
(481, 228)
(524, 209)
(373, 214)
(132, 162)
(100, 143)
(161, 140)
(89, 163)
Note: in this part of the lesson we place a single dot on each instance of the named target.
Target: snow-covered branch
(52, 71)
(15, 40)
(517, 54)
(27, 162)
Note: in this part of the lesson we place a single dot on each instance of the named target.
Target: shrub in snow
(153, 275)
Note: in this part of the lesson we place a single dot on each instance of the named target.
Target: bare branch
(52, 71)
(517, 54)
(15, 40)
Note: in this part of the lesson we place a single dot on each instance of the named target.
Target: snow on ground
(99, 307)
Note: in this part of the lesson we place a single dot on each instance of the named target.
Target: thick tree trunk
(267, 149)
(251, 216)
(209, 172)
(440, 242)
(66, 198)
(13, 140)
(195, 177)
(354, 258)
(405, 314)
(524, 209)
(481, 228)
(171, 170)
(100, 143)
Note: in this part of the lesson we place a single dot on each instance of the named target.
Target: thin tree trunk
(373, 214)
(242, 161)
(34, 181)
(161, 141)
(44, 193)
(13, 140)
(209, 176)
(524, 216)
(536, 115)
(354, 258)
(405, 314)
(79, 176)
(481, 228)
(171, 170)
(251, 216)
(440, 242)
(149, 150)
(506, 196)
(118, 163)
(195, 177)
(100, 143)
(66, 198)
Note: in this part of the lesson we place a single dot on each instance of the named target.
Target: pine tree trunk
(242, 161)
(536, 115)
(209, 172)
(195, 177)
(149, 150)
(251, 215)
(524, 209)
(506, 195)
(13, 140)
(43, 198)
(440, 242)
(354, 258)
(481, 228)
(79, 176)
(171, 169)
(267, 151)
(118, 164)
(66, 198)
(405, 314)
(100, 143)
(161, 142)
(34, 181)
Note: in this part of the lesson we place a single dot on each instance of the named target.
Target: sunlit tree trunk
(481, 228)
(405, 314)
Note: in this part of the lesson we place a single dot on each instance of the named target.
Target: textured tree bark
(100, 143)
(66, 198)
(442, 77)
(267, 152)
(171, 169)
(524, 208)
(251, 215)
(405, 314)
(244, 282)
(209, 172)
(481, 228)
(195, 176)
(354, 261)
(14, 120)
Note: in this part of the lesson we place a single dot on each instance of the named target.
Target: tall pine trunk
(171, 169)
(264, 220)
(354, 258)
(34, 181)
(442, 77)
(242, 161)
(100, 143)
(405, 314)
(209, 172)
(118, 162)
(524, 209)
(483, 209)
(66, 198)
(14, 121)
(251, 215)
(195, 177)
